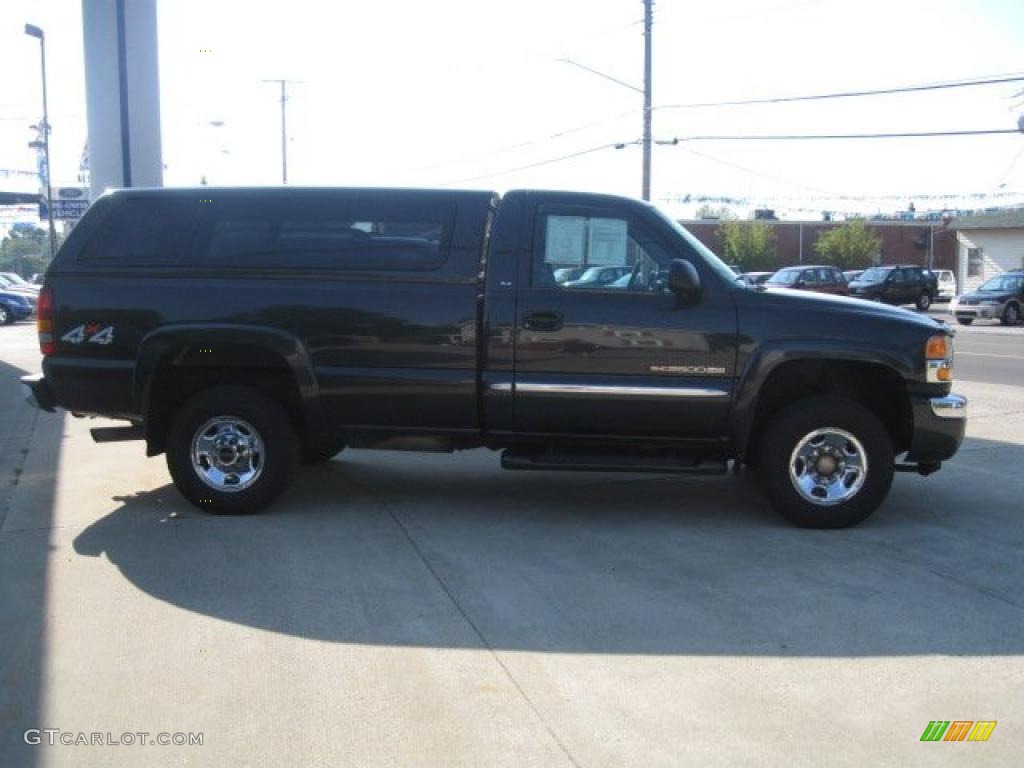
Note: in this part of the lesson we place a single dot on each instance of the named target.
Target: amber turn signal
(937, 348)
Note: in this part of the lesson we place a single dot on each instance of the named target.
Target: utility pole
(646, 91)
(648, 21)
(34, 31)
(284, 126)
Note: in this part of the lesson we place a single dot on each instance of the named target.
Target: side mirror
(684, 281)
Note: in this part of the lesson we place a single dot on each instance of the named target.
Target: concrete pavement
(404, 609)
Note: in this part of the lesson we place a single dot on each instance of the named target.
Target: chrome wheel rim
(228, 454)
(828, 467)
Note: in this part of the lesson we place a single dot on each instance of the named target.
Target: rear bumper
(38, 393)
(939, 426)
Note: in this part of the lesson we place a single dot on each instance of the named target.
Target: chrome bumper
(37, 392)
(949, 407)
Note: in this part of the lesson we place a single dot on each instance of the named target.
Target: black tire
(923, 301)
(6, 318)
(788, 429)
(279, 455)
(1011, 315)
(321, 451)
(965, 320)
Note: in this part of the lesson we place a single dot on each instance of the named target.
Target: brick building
(903, 242)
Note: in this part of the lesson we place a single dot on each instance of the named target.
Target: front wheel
(231, 450)
(5, 315)
(924, 301)
(826, 462)
(1011, 315)
(965, 320)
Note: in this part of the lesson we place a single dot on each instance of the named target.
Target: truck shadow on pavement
(452, 552)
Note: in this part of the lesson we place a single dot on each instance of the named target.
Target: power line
(788, 182)
(850, 94)
(539, 163)
(1010, 168)
(827, 136)
(530, 142)
(765, 137)
(964, 82)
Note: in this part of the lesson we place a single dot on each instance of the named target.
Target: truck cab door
(624, 358)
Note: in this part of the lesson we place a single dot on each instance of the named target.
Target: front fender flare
(768, 357)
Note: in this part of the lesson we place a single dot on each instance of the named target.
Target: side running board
(117, 434)
(595, 461)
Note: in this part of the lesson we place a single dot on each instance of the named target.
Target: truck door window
(597, 253)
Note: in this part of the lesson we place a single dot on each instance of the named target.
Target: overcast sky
(463, 93)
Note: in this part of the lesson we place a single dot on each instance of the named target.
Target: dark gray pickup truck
(242, 331)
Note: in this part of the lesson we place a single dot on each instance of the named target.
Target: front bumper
(38, 393)
(975, 311)
(939, 426)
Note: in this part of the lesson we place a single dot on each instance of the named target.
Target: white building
(987, 245)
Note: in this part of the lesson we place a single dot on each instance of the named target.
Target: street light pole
(284, 126)
(648, 19)
(284, 137)
(36, 32)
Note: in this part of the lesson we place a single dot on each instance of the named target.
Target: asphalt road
(990, 353)
(433, 610)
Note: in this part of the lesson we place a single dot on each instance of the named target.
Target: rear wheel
(5, 315)
(1011, 315)
(826, 462)
(924, 301)
(965, 320)
(231, 450)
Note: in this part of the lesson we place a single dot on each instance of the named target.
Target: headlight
(938, 354)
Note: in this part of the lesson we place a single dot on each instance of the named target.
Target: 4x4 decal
(91, 332)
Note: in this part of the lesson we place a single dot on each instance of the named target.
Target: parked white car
(947, 283)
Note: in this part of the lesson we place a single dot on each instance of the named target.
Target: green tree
(749, 244)
(25, 251)
(850, 246)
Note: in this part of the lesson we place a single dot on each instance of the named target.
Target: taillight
(44, 321)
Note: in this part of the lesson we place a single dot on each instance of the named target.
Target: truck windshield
(706, 253)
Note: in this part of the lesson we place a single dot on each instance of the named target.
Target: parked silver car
(999, 298)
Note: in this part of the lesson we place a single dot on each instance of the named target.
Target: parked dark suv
(897, 285)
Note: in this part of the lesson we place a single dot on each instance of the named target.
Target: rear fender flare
(173, 343)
